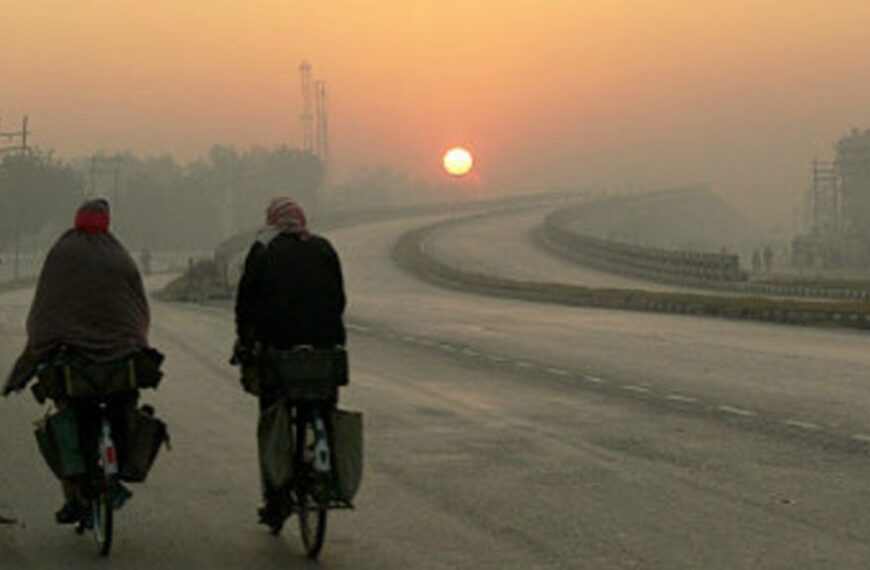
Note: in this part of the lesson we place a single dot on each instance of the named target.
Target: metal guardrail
(720, 272)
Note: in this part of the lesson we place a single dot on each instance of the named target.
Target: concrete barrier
(410, 253)
(714, 271)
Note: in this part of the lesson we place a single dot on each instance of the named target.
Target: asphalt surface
(502, 245)
(499, 434)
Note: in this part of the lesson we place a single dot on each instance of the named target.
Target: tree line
(157, 202)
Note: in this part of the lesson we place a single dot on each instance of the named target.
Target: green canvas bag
(58, 438)
(347, 451)
(275, 446)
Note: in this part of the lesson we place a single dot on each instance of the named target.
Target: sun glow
(458, 161)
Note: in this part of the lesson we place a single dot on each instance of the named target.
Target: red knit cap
(93, 217)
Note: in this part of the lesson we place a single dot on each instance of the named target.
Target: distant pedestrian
(756, 261)
(768, 259)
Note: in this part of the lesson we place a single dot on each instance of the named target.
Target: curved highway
(500, 434)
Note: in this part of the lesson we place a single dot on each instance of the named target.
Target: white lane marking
(736, 411)
(638, 389)
(524, 364)
(496, 358)
(861, 437)
(681, 398)
(360, 328)
(594, 379)
(447, 347)
(427, 342)
(469, 352)
(802, 424)
(558, 371)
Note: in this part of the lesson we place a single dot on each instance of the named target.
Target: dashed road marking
(681, 398)
(736, 411)
(863, 438)
(803, 425)
(809, 426)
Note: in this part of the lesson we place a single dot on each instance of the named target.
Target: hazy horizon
(741, 95)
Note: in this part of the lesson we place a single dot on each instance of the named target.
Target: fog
(740, 96)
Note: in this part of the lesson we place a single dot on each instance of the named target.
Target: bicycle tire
(311, 511)
(103, 517)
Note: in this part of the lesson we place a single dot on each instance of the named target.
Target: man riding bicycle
(89, 302)
(291, 294)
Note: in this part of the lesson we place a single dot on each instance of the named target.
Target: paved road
(502, 245)
(500, 434)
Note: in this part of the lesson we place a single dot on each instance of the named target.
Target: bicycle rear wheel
(312, 527)
(310, 501)
(102, 517)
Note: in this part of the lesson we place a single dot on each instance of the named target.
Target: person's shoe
(70, 513)
(272, 515)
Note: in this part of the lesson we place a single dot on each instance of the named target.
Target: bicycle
(305, 382)
(97, 402)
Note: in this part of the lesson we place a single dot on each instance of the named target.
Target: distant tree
(36, 191)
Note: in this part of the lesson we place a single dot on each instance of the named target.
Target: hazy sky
(548, 92)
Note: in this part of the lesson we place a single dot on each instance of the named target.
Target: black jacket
(291, 293)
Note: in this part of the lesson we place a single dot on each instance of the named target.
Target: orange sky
(550, 92)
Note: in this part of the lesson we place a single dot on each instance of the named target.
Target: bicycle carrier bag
(303, 373)
(72, 376)
(146, 435)
(347, 453)
(57, 436)
(275, 446)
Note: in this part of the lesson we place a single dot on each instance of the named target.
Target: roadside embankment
(411, 253)
(575, 233)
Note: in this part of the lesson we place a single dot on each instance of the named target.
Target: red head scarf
(287, 216)
(93, 217)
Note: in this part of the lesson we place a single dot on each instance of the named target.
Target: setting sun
(458, 161)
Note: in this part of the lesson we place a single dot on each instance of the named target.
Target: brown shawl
(89, 297)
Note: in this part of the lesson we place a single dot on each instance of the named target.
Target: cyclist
(89, 299)
(291, 293)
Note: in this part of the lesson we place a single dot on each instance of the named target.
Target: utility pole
(322, 110)
(306, 116)
(21, 151)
